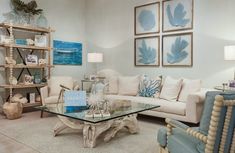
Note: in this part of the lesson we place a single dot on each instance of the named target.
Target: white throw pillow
(55, 83)
(188, 87)
(113, 85)
(128, 85)
(171, 88)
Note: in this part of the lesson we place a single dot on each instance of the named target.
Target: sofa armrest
(44, 94)
(197, 97)
(194, 105)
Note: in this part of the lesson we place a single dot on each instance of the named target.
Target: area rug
(36, 133)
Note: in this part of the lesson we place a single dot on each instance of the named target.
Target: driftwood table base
(92, 131)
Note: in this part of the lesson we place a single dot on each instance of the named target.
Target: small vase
(37, 78)
(42, 21)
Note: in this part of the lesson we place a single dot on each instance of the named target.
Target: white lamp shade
(229, 53)
(95, 57)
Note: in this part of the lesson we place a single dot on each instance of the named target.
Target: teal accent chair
(215, 134)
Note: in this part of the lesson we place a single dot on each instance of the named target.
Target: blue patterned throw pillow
(149, 87)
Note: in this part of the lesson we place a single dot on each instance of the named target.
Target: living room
(109, 37)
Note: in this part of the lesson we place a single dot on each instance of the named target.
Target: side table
(226, 88)
(86, 81)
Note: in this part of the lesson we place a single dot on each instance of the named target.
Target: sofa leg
(41, 113)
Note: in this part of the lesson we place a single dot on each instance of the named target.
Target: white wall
(110, 29)
(67, 17)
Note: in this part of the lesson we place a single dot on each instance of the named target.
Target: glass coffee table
(122, 115)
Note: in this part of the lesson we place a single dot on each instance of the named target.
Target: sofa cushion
(188, 87)
(166, 106)
(107, 73)
(128, 85)
(171, 88)
(181, 142)
(150, 87)
(55, 83)
(113, 85)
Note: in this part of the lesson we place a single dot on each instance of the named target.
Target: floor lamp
(229, 55)
(95, 58)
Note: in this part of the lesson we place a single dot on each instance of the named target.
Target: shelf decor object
(28, 10)
(18, 51)
(147, 19)
(229, 55)
(177, 50)
(42, 21)
(177, 15)
(147, 51)
(67, 53)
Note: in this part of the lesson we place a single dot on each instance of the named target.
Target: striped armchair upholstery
(215, 134)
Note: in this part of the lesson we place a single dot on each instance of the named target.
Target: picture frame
(147, 51)
(177, 50)
(183, 20)
(40, 40)
(31, 59)
(147, 19)
(67, 53)
(28, 80)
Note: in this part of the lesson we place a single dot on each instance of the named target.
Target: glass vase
(42, 21)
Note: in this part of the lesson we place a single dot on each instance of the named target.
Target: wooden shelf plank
(20, 86)
(26, 47)
(26, 27)
(32, 104)
(26, 66)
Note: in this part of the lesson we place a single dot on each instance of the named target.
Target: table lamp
(229, 54)
(95, 58)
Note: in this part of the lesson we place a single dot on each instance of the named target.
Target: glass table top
(118, 108)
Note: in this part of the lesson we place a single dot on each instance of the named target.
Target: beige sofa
(189, 111)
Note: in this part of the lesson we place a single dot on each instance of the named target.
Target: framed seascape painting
(147, 51)
(67, 53)
(177, 15)
(177, 50)
(147, 19)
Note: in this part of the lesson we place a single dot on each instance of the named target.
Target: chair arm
(177, 124)
(44, 94)
(196, 134)
(174, 123)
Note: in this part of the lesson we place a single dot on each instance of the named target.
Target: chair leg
(42, 113)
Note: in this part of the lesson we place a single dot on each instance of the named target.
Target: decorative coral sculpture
(178, 53)
(178, 19)
(147, 54)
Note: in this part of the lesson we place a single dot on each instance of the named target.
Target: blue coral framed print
(177, 15)
(147, 19)
(147, 51)
(177, 50)
(67, 53)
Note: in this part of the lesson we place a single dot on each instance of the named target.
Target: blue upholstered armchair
(215, 134)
